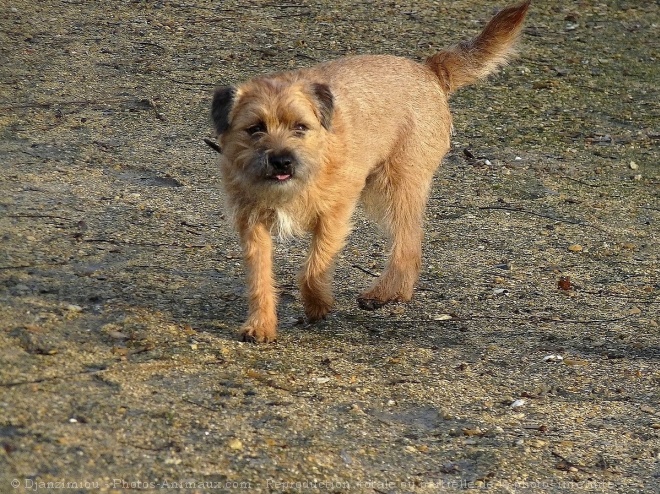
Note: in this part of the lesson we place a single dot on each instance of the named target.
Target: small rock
(633, 165)
(553, 358)
(235, 444)
(575, 248)
(517, 403)
(472, 432)
(537, 443)
(74, 308)
(442, 317)
(118, 335)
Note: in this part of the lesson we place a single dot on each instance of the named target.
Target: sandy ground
(121, 285)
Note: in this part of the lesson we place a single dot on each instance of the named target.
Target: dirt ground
(121, 284)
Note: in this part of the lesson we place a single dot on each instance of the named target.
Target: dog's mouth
(280, 177)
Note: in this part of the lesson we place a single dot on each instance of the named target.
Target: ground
(527, 361)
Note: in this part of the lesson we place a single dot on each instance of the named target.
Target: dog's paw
(258, 333)
(317, 310)
(366, 303)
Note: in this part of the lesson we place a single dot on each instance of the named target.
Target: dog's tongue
(282, 177)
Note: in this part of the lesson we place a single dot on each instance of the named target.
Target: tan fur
(372, 128)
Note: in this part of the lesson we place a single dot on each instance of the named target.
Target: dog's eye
(300, 128)
(256, 129)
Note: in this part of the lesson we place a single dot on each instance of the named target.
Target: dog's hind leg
(396, 197)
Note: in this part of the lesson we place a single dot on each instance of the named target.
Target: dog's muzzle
(281, 166)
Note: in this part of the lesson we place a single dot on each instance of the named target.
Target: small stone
(655, 426)
(118, 335)
(476, 431)
(575, 248)
(633, 165)
(442, 317)
(537, 443)
(74, 308)
(647, 409)
(573, 362)
(518, 403)
(235, 444)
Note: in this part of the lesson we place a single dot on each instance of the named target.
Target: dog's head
(273, 132)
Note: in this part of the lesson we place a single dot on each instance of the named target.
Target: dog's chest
(285, 225)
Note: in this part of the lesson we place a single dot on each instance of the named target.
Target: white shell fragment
(553, 358)
(518, 403)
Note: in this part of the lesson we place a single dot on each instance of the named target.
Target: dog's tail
(468, 61)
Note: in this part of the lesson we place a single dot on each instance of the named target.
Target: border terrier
(300, 149)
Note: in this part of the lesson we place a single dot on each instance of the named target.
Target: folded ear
(223, 101)
(326, 103)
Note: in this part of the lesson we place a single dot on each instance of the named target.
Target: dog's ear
(223, 100)
(326, 103)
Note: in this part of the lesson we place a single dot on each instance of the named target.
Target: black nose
(281, 162)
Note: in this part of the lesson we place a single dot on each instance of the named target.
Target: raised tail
(471, 60)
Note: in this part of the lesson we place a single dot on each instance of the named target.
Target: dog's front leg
(261, 324)
(329, 236)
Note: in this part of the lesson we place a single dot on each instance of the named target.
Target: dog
(300, 149)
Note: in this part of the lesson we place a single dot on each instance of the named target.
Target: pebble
(553, 358)
(442, 317)
(518, 403)
(633, 165)
(537, 443)
(235, 444)
(472, 432)
(575, 248)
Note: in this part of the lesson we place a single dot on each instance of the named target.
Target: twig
(540, 215)
(201, 405)
(144, 244)
(52, 378)
(366, 271)
(581, 182)
(213, 145)
(39, 216)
